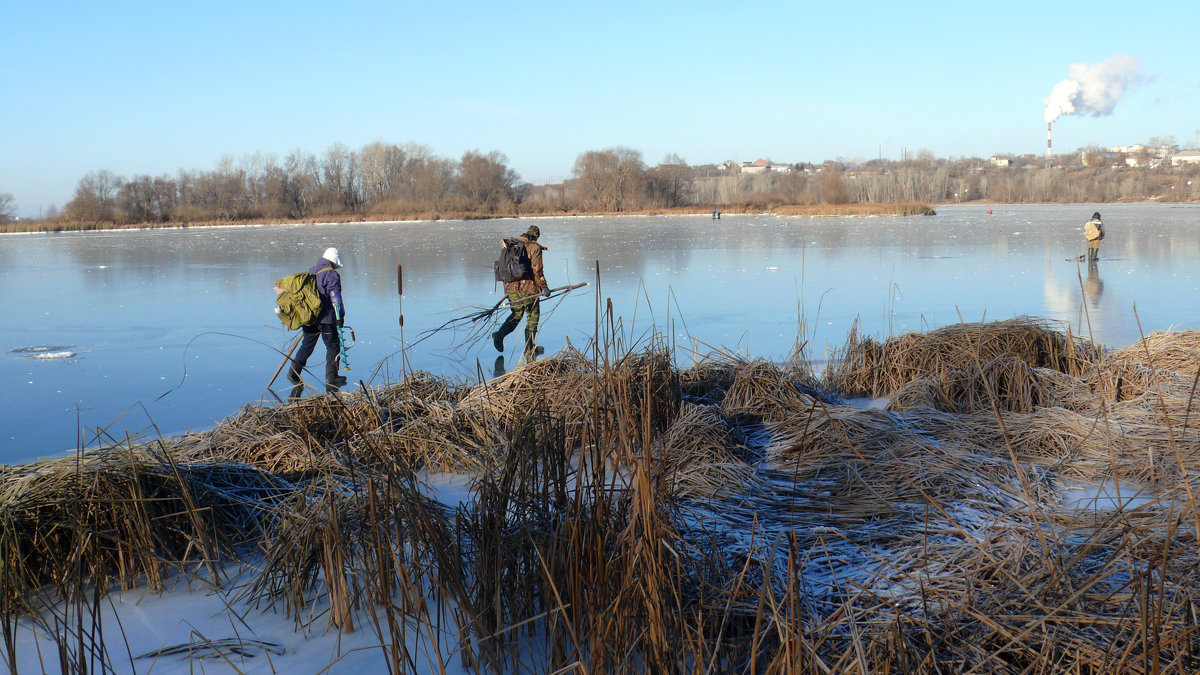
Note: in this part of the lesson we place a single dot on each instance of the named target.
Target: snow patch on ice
(1105, 497)
(869, 403)
(45, 352)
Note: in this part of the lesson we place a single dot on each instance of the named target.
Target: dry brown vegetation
(630, 515)
(794, 210)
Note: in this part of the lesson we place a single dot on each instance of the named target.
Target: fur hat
(533, 232)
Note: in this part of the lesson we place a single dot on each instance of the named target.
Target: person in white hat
(333, 315)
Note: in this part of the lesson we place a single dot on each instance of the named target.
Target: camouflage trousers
(523, 305)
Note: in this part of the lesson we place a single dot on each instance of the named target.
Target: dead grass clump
(707, 380)
(638, 385)
(560, 382)
(702, 457)
(410, 397)
(867, 462)
(295, 439)
(1117, 380)
(865, 367)
(1178, 351)
(766, 391)
(284, 452)
(318, 420)
(1007, 382)
(446, 438)
(628, 527)
(116, 519)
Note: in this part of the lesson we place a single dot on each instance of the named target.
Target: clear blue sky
(154, 87)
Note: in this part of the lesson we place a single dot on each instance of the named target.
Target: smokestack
(1048, 153)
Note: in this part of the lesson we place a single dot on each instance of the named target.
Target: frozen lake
(156, 332)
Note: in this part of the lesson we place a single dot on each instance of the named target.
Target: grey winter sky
(151, 88)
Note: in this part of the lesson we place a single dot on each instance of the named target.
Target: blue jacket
(329, 287)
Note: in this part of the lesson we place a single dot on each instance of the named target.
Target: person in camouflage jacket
(524, 296)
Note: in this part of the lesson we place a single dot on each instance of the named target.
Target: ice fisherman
(331, 317)
(523, 296)
(1093, 231)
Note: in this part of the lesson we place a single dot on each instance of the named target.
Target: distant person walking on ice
(523, 291)
(333, 314)
(1093, 231)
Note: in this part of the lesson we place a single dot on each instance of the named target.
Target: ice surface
(189, 311)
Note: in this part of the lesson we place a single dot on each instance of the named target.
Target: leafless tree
(95, 198)
(341, 184)
(381, 167)
(609, 178)
(8, 207)
(147, 200)
(485, 181)
(669, 184)
(833, 187)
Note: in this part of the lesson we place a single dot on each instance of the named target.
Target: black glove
(546, 292)
(341, 322)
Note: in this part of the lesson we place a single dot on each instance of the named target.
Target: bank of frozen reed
(629, 514)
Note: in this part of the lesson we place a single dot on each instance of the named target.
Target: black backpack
(514, 262)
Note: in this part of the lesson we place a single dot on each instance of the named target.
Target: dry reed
(865, 367)
(727, 517)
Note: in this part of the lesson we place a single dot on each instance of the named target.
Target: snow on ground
(1108, 496)
(195, 627)
(869, 403)
(149, 633)
(137, 623)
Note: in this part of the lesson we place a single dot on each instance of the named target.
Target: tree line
(383, 180)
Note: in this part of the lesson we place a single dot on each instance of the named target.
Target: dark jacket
(536, 282)
(329, 287)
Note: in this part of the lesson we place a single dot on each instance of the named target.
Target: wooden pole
(286, 357)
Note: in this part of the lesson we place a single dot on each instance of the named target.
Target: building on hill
(1185, 157)
(761, 165)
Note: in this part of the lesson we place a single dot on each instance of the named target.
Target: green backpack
(297, 300)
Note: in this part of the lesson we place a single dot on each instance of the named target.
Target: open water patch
(46, 352)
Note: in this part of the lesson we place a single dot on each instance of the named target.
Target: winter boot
(502, 332)
(293, 376)
(332, 379)
(531, 349)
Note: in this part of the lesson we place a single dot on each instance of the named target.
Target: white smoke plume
(1093, 89)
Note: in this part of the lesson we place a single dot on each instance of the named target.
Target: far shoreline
(790, 210)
